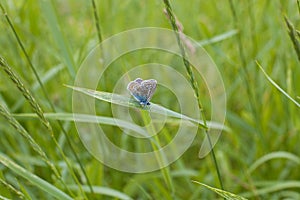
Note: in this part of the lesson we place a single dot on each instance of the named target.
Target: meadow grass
(255, 45)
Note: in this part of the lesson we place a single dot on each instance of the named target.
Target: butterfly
(142, 90)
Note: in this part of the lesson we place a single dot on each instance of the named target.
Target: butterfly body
(142, 90)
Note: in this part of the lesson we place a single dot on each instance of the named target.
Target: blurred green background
(258, 158)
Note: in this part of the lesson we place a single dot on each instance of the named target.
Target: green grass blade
(160, 156)
(25, 192)
(51, 17)
(35, 146)
(9, 187)
(274, 155)
(104, 191)
(26, 93)
(47, 77)
(89, 118)
(224, 194)
(97, 21)
(277, 86)
(218, 38)
(4, 198)
(32, 178)
(125, 101)
(294, 36)
(38, 110)
(274, 187)
(69, 62)
(113, 121)
(192, 81)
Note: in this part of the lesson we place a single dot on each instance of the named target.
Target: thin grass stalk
(12, 121)
(99, 35)
(246, 78)
(294, 36)
(97, 22)
(37, 109)
(192, 81)
(35, 146)
(252, 28)
(23, 50)
(159, 156)
(50, 103)
(33, 103)
(33, 179)
(12, 189)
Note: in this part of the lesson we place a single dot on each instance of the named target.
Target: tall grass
(41, 154)
(193, 82)
(32, 101)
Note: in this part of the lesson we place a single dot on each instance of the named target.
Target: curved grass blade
(224, 194)
(35, 146)
(38, 110)
(32, 178)
(218, 38)
(293, 35)
(48, 10)
(10, 188)
(192, 80)
(90, 119)
(113, 121)
(3, 198)
(104, 191)
(277, 86)
(273, 186)
(44, 79)
(274, 155)
(125, 101)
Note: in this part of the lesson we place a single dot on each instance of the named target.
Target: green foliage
(42, 46)
(225, 194)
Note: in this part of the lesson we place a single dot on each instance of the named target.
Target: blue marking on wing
(141, 99)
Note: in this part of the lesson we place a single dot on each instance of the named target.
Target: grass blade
(46, 77)
(218, 38)
(26, 93)
(38, 110)
(274, 187)
(294, 36)
(104, 191)
(97, 22)
(91, 119)
(4, 198)
(224, 194)
(32, 178)
(125, 101)
(51, 17)
(192, 81)
(277, 86)
(11, 188)
(26, 135)
(274, 155)
(112, 121)
(70, 64)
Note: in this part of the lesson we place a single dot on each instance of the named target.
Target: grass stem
(47, 124)
(156, 147)
(192, 80)
(97, 21)
(245, 73)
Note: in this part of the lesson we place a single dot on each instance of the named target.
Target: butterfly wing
(149, 87)
(136, 90)
(141, 90)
